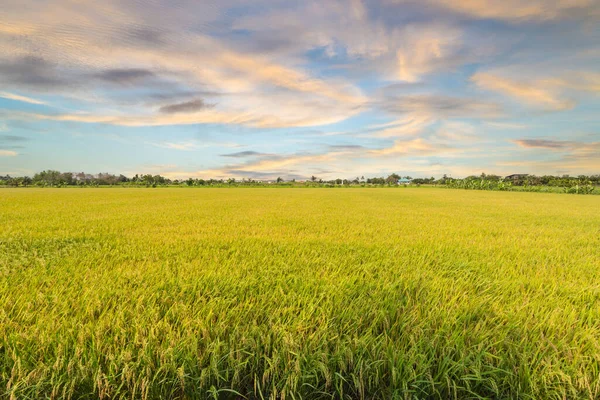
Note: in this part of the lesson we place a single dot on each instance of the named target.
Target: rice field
(401, 293)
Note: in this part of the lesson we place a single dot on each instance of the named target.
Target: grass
(298, 294)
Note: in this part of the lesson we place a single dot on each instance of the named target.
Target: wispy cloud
(537, 93)
(177, 146)
(412, 147)
(244, 154)
(519, 11)
(426, 49)
(506, 125)
(568, 156)
(125, 76)
(190, 145)
(24, 99)
(8, 153)
(347, 147)
(185, 107)
(544, 144)
(31, 72)
(13, 139)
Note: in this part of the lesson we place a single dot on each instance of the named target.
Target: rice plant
(298, 294)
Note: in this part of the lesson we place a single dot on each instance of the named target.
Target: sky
(330, 88)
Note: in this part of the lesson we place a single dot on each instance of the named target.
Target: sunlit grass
(298, 293)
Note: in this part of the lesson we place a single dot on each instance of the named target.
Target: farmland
(298, 293)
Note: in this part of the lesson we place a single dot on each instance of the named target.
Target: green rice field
(364, 293)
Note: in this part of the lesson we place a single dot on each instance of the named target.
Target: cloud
(416, 114)
(243, 154)
(274, 64)
(265, 87)
(302, 118)
(539, 93)
(457, 132)
(267, 164)
(414, 124)
(11, 142)
(347, 147)
(125, 76)
(336, 161)
(24, 99)
(585, 154)
(191, 145)
(544, 144)
(185, 107)
(149, 36)
(583, 81)
(426, 49)
(375, 38)
(271, 165)
(440, 106)
(516, 10)
(186, 146)
(412, 147)
(177, 146)
(506, 125)
(31, 72)
(13, 139)
(565, 156)
(8, 153)
(573, 149)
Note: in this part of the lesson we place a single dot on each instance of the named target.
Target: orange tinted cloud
(24, 99)
(539, 94)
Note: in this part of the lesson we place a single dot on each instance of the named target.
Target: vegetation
(298, 294)
(567, 184)
(529, 183)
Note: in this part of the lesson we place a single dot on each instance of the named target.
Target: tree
(67, 178)
(47, 178)
(147, 180)
(279, 179)
(392, 179)
(16, 181)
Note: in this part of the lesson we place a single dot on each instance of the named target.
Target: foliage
(309, 293)
(564, 184)
(530, 183)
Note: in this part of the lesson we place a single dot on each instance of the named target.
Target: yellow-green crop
(298, 293)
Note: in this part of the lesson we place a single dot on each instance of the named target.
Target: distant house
(404, 181)
(515, 177)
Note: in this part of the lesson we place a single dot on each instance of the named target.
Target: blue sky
(336, 88)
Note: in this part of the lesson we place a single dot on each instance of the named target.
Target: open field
(298, 293)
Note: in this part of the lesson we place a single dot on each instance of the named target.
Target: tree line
(52, 178)
(581, 184)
